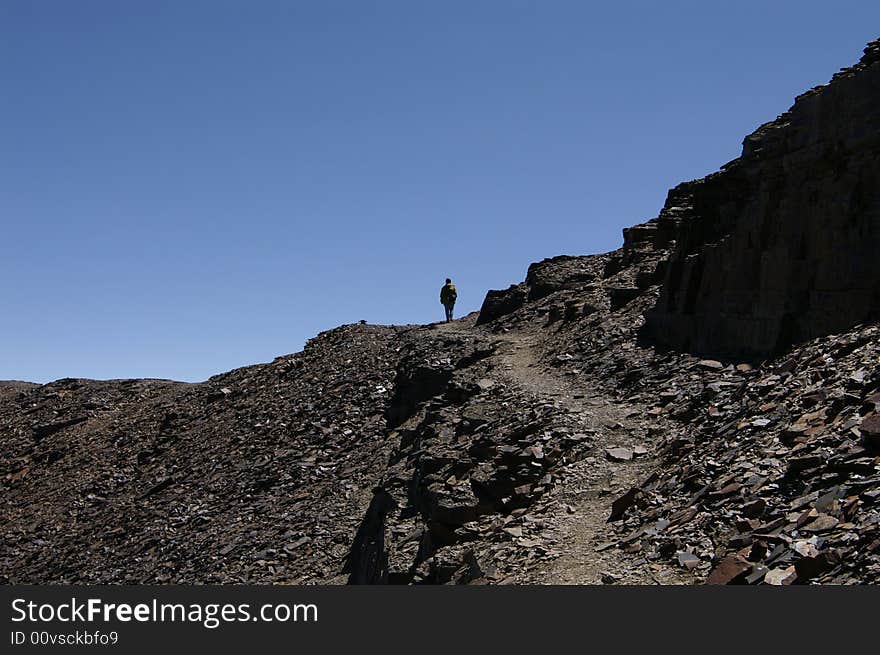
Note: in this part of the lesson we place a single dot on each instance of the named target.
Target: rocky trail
(578, 508)
(582, 500)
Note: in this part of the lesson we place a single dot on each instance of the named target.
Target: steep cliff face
(780, 245)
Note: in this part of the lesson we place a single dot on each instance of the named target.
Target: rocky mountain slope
(558, 436)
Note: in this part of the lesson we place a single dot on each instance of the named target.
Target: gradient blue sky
(191, 186)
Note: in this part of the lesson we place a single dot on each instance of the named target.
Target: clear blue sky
(189, 186)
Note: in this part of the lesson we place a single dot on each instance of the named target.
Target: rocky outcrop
(780, 245)
(501, 302)
(564, 272)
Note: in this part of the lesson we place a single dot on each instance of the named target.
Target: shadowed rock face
(502, 302)
(780, 246)
(542, 279)
(367, 563)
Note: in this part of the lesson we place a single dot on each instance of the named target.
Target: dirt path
(580, 504)
(578, 507)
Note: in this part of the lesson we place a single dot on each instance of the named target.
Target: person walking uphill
(448, 295)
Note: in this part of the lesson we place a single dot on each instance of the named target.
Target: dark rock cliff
(780, 245)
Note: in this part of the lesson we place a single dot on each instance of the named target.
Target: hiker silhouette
(448, 296)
